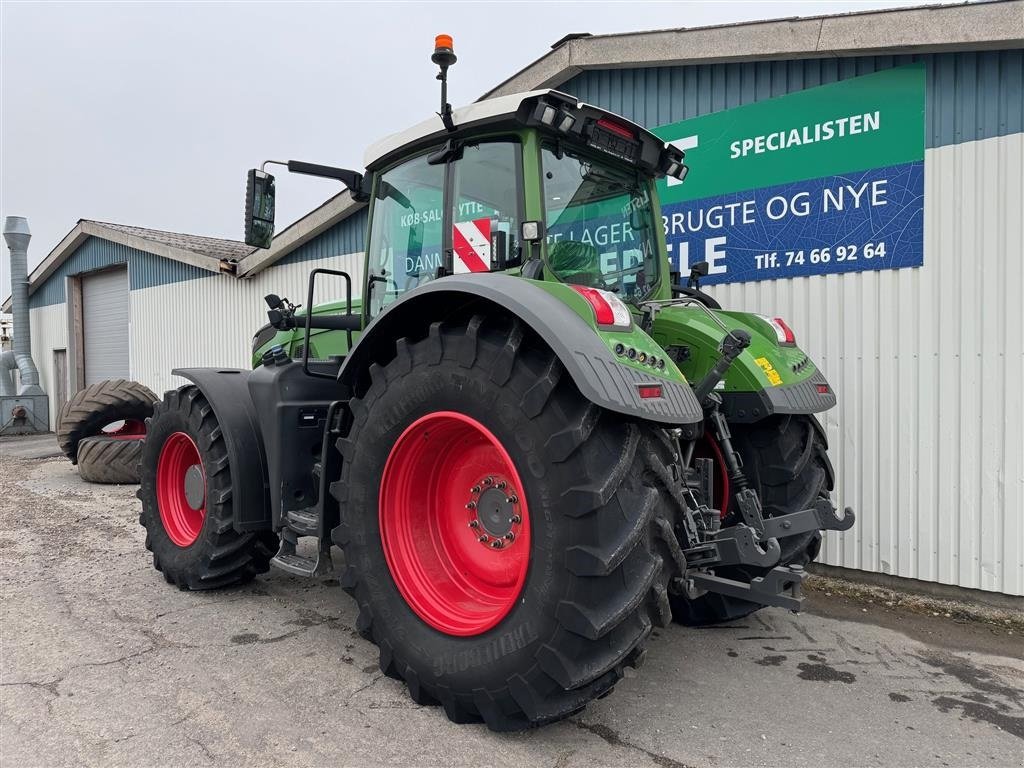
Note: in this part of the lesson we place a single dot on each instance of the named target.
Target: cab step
(304, 522)
(288, 559)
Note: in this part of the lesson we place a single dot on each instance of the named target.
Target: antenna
(444, 56)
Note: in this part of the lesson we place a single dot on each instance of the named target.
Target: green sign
(837, 167)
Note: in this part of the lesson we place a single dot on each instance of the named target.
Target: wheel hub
(495, 517)
(195, 487)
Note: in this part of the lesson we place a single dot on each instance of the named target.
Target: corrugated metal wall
(928, 363)
(216, 317)
(970, 95)
(49, 332)
(96, 253)
(347, 236)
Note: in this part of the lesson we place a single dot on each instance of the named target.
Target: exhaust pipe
(17, 235)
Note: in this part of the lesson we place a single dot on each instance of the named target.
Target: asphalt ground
(103, 663)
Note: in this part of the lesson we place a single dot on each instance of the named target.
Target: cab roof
(475, 114)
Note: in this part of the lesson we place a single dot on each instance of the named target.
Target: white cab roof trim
(480, 110)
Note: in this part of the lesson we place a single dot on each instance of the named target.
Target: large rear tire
(187, 504)
(785, 460)
(102, 404)
(469, 435)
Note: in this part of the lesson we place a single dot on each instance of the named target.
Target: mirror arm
(351, 179)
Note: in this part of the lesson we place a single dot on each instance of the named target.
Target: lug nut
(483, 538)
(502, 484)
(475, 489)
(496, 544)
(471, 505)
(510, 536)
(488, 481)
(516, 519)
(474, 523)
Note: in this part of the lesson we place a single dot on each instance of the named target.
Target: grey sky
(149, 114)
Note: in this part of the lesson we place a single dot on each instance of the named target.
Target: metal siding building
(181, 313)
(926, 362)
(928, 437)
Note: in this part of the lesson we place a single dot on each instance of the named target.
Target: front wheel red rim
(454, 523)
(181, 489)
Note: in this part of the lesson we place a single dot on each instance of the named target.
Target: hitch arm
(821, 517)
(780, 587)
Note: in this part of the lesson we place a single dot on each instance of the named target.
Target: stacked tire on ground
(101, 430)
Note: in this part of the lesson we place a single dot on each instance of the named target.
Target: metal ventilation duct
(25, 409)
(17, 235)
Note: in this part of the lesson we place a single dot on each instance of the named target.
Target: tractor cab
(538, 185)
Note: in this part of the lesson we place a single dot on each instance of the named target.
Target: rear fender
(562, 320)
(227, 392)
(767, 378)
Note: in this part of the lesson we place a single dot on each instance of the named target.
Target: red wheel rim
(708, 448)
(181, 489)
(454, 523)
(130, 429)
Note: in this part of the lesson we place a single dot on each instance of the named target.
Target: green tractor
(530, 441)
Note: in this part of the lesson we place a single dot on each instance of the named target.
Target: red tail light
(649, 391)
(783, 333)
(613, 127)
(787, 336)
(608, 308)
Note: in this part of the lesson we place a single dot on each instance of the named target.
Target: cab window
(485, 211)
(406, 233)
(601, 224)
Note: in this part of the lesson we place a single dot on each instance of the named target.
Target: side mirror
(259, 209)
(697, 271)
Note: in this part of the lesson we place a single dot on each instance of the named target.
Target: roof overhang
(926, 29)
(84, 229)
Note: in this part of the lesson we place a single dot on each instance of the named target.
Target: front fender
(227, 392)
(561, 318)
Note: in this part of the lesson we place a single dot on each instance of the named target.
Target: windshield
(600, 224)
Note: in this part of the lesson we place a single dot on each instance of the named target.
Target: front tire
(187, 504)
(785, 460)
(527, 632)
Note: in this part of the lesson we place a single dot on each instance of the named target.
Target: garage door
(105, 315)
